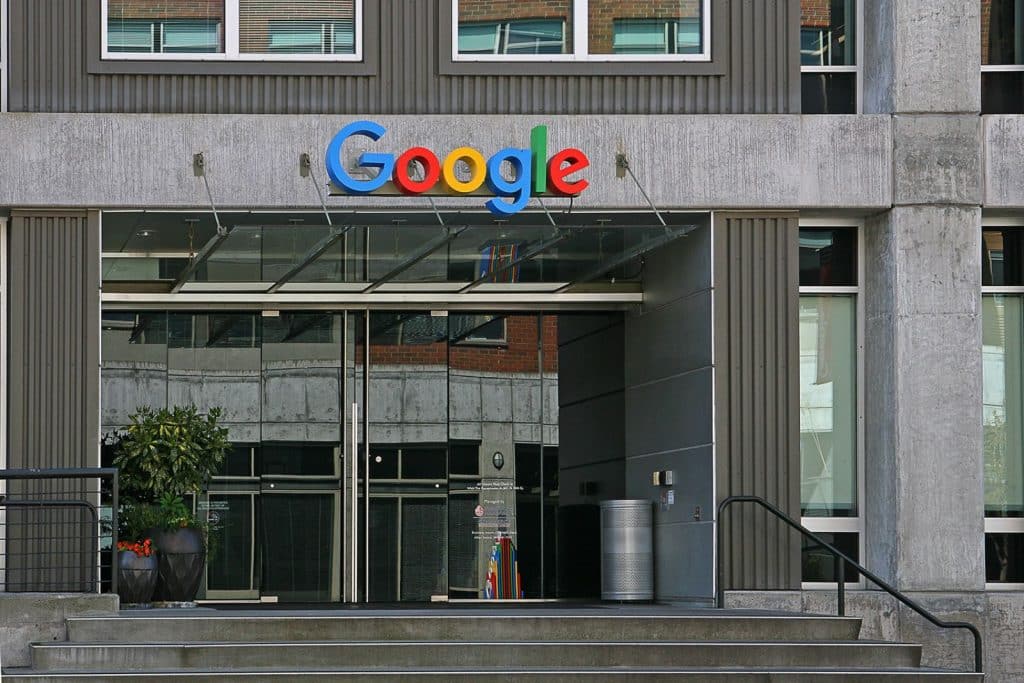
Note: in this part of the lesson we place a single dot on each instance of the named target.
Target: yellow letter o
(477, 170)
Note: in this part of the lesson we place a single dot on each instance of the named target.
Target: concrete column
(924, 486)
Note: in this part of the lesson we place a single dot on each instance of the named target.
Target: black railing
(841, 559)
(58, 530)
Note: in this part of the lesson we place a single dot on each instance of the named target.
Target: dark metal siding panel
(49, 73)
(757, 393)
(53, 393)
(53, 344)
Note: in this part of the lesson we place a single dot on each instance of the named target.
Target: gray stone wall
(40, 617)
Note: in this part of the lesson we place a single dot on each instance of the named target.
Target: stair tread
(463, 643)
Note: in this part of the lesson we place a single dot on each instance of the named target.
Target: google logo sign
(532, 172)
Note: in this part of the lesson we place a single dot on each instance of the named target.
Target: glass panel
(1002, 343)
(645, 27)
(407, 411)
(1002, 32)
(165, 26)
(1002, 256)
(214, 361)
(828, 93)
(820, 565)
(298, 545)
(510, 27)
(309, 27)
(231, 543)
(238, 462)
(424, 548)
(828, 410)
(383, 549)
(134, 348)
(827, 35)
(828, 257)
(1002, 93)
(1004, 558)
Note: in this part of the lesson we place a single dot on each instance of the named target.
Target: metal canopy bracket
(199, 169)
(313, 254)
(621, 169)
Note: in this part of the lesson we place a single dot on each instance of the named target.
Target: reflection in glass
(298, 545)
(230, 520)
(1002, 342)
(1004, 558)
(310, 27)
(506, 27)
(828, 93)
(647, 27)
(827, 32)
(1002, 92)
(828, 257)
(1002, 32)
(165, 26)
(820, 565)
(828, 440)
(1002, 257)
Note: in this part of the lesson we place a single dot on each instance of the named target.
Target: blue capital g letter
(336, 171)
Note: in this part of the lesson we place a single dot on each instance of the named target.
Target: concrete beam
(133, 160)
(937, 159)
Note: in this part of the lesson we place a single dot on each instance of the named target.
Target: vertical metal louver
(307, 27)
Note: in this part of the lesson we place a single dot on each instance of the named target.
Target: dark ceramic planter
(182, 559)
(136, 577)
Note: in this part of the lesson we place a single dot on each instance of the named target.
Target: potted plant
(164, 456)
(136, 572)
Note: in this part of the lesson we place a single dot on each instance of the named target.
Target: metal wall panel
(50, 72)
(54, 340)
(757, 448)
(53, 395)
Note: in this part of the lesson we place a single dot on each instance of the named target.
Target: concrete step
(489, 627)
(511, 675)
(398, 655)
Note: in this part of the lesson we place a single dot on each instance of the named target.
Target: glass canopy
(146, 251)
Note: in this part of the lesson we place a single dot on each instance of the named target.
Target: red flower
(143, 548)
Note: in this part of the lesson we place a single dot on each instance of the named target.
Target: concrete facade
(920, 167)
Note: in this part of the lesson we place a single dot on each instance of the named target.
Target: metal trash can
(627, 550)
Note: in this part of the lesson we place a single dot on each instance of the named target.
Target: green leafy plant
(163, 456)
(172, 451)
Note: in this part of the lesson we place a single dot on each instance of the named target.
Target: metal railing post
(841, 582)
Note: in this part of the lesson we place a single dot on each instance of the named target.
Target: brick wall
(254, 17)
(815, 13)
(166, 9)
(603, 13)
(519, 355)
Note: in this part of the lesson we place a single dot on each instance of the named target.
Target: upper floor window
(830, 71)
(258, 30)
(1002, 56)
(581, 30)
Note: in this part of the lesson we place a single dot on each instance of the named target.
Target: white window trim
(845, 524)
(3, 389)
(231, 44)
(581, 40)
(855, 68)
(1003, 525)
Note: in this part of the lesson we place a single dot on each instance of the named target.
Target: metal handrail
(840, 573)
(107, 473)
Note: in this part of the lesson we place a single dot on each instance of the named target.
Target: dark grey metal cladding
(755, 318)
(54, 340)
(53, 389)
(55, 67)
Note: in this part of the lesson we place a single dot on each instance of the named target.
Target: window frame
(845, 524)
(857, 68)
(232, 53)
(579, 21)
(1002, 525)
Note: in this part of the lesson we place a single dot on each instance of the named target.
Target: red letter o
(431, 170)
